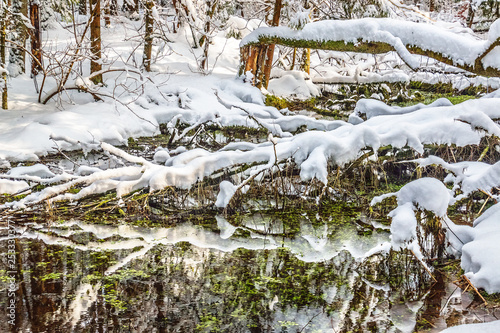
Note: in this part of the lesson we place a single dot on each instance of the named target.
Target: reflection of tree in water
(185, 288)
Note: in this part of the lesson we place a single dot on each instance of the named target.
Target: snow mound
(37, 170)
(494, 32)
(492, 327)
(480, 259)
(373, 108)
(468, 176)
(227, 191)
(161, 155)
(12, 186)
(293, 83)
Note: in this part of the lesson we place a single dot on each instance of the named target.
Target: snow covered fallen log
(370, 35)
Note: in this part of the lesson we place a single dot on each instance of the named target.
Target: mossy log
(251, 62)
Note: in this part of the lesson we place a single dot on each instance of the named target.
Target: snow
(491, 327)
(372, 108)
(11, 186)
(161, 155)
(494, 31)
(293, 83)
(238, 25)
(478, 260)
(300, 20)
(38, 170)
(313, 151)
(422, 194)
(227, 191)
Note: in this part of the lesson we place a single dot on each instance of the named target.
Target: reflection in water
(84, 277)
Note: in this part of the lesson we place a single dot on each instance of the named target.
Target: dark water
(79, 277)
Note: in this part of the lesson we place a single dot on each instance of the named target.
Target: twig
(423, 265)
(484, 204)
(475, 289)
(63, 154)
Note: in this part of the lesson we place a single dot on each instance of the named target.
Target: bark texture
(95, 40)
(36, 37)
(148, 35)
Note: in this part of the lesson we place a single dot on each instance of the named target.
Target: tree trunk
(306, 61)
(36, 38)
(204, 40)
(470, 16)
(95, 40)
(107, 12)
(148, 34)
(113, 7)
(82, 7)
(17, 54)
(268, 61)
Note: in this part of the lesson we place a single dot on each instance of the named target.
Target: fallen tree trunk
(376, 36)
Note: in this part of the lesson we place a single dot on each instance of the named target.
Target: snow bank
(467, 176)
(293, 83)
(37, 170)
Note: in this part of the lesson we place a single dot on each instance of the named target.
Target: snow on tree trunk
(107, 13)
(95, 40)
(432, 5)
(470, 15)
(19, 34)
(36, 38)
(148, 34)
(82, 7)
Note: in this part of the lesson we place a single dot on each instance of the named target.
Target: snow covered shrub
(53, 11)
(351, 9)
(417, 221)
